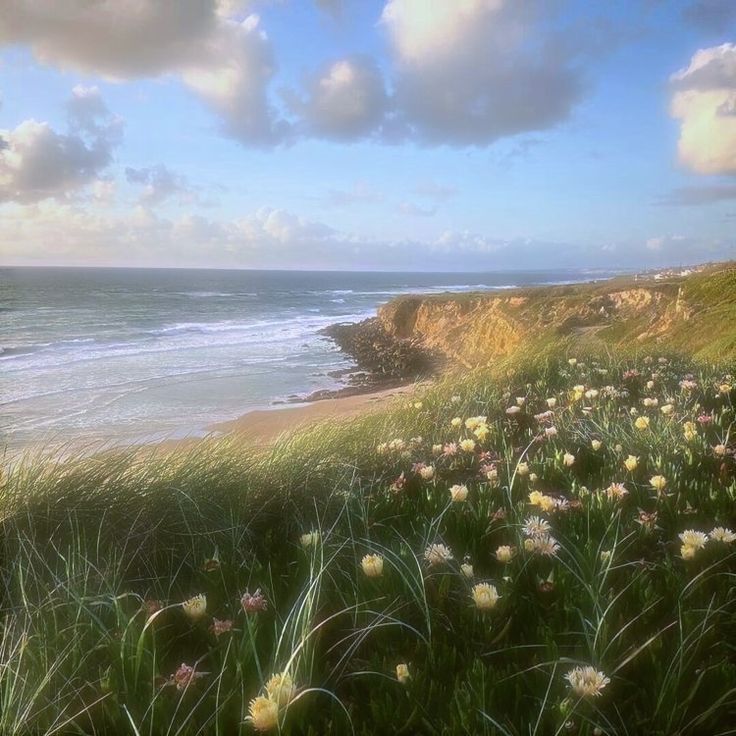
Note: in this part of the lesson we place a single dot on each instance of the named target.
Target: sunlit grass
(99, 553)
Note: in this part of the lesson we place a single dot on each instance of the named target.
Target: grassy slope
(85, 543)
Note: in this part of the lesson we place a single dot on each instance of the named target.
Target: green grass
(89, 544)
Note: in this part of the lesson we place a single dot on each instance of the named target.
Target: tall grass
(99, 553)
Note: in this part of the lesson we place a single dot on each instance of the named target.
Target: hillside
(693, 314)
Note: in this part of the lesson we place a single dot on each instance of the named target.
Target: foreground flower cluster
(553, 550)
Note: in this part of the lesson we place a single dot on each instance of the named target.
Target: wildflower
(513, 410)
(472, 423)
(705, 419)
(719, 534)
(650, 385)
(550, 432)
(647, 520)
(719, 450)
(467, 569)
(520, 400)
(458, 493)
(426, 472)
(418, 404)
(551, 402)
(642, 423)
(592, 393)
(650, 402)
(310, 539)
(533, 477)
(605, 556)
(543, 544)
(617, 491)
(522, 469)
(690, 431)
(587, 682)
(688, 385)
(691, 538)
(456, 422)
(658, 482)
(184, 676)
(725, 388)
(437, 450)
(398, 484)
(437, 554)
(485, 596)
(280, 689)
(372, 565)
(402, 673)
(450, 449)
(568, 459)
(263, 713)
(253, 603)
(219, 628)
(211, 565)
(467, 445)
(687, 552)
(631, 463)
(534, 526)
(482, 432)
(455, 399)
(504, 553)
(196, 607)
(572, 361)
(490, 472)
(596, 445)
(667, 410)
(578, 392)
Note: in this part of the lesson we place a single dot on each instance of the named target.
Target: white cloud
(228, 62)
(348, 100)
(704, 101)
(472, 71)
(159, 184)
(36, 162)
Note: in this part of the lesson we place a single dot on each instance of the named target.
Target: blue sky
(423, 134)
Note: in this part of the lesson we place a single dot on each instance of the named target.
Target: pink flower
(255, 602)
(219, 628)
(184, 676)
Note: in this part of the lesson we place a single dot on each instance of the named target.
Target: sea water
(125, 355)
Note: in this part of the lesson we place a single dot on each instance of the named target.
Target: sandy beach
(264, 426)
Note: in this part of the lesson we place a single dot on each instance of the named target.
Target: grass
(99, 553)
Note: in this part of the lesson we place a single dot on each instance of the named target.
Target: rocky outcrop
(684, 313)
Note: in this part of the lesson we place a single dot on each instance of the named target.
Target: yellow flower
(485, 596)
(631, 463)
(280, 688)
(372, 565)
(687, 552)
(658, 482)
(482, 432)
(456, 422)
(572, 361)
(535, 498)
(505, 553)
(467, 445)
(719, 450)
(725, 388)
(458, 493)
(587, 682)
(402, 673)
(667, 409)
(522, 469)
(196, 607)
(263, 713)
(642, 423)
(690, 430)
(691, 538)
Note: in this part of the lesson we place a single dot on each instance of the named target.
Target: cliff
(695, 314)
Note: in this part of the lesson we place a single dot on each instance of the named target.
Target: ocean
(127, 355)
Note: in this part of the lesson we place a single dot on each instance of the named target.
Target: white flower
(504, 553)
(550, 432)
(310, 539)
(427, 472)
(372, 565)
(535, 526)
(467, 569)
(568, 459)
(402, 673)
(456, 422)
(437, 554)
(196, 607)
(691, 538)
(522, 469)
(719, 534)
(513, 410)
(458, 493)
(596, 445)
(587, 682)
(485, 596)
(551, 402)
(667, 409)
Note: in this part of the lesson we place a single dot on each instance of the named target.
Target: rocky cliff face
(695, 314)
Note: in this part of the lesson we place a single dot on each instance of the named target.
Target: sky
(368, 134)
